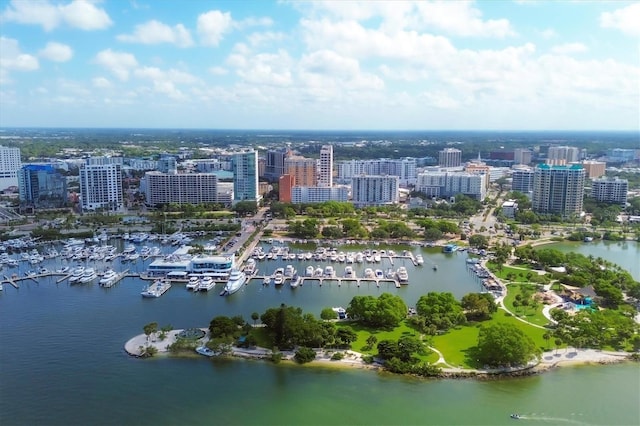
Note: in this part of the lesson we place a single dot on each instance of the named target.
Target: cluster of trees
(436, 229)
(326, 209)
(386, 311)
(597, 328)
(464, 206)
(305, 229)
(399, 356)
(504, 345)
(347, 228)
(392, 229)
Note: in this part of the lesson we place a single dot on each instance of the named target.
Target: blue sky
(459, 65)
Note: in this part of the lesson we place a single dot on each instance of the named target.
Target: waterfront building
(274, 163)
(10, 163)
(245, 177)
(369, 190)
(450, 157)
(442, 184)
(180, 188)
(318, 194)
(558, 189)
(304, 170)
(594, 169)
(522, 156)
(179, 264)
(325, 166)
(610, 190)
(285, 186)
(41, 186)
(561, 155)
(404, 168)
(522, 180)
(101, 184)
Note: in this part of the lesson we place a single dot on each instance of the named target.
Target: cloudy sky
(320, 65)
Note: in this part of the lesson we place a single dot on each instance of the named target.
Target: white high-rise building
(558, 189)
(325, 167)
(9, 165)
(522, 156)
(449, 184)
(450, 157)
(181, 188)
(318, 194)
(374, 190)
(101, 185)
(522, 180)
(561, 155)
(610, 190)
(404, 168)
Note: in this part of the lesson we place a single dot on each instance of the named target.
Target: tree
(304, 355)
(386, 311)
(255, 317)
(345, 336)
(328, 314)
(222, 326)
(479, 241)
(440, 310)
(150, 329)
(504, 344)
(478, 306)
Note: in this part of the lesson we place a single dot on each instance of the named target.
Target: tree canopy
(386, 311)
(440, 311)
(504, 344)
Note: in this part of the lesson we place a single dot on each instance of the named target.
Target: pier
(338, 280)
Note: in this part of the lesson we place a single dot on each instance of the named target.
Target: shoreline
(548, 361)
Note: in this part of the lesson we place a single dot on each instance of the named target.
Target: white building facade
(404, 168)
(610, 190)
(367, 190)
(325, 167)
(318, 194)
(101, 185)
(10, 163)
(180, 188)
(447, 184)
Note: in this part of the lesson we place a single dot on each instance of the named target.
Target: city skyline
(521, 65)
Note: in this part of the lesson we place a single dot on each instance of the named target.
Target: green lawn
(455, 344)
(535, 317)
(510, 273)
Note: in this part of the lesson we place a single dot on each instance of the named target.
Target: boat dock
(338, 280)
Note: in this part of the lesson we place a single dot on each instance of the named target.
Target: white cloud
(569, 48)
(460, 18)
(101, 83)
(261, 38)
(218, 71)
(548, 33)
(119, 63)
(12, 59)
(212, 26)
(165, 82)
(56, 52)
(626, 19)
(81, 14)
(154, 32)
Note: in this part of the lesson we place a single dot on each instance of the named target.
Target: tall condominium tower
(274, 164)
(560, 155)
(325, 167)
(9, 165)
(304, 170)
(41, 186)
(101, 185)
(245, 177)
(558, 189)
(610, 190)
(370, 190)
(450, 157)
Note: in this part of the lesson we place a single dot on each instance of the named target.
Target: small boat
(278, 276)
(295, 281)
(206, 283)
(419, 259)
(515, 416)
(379, 274)
(266, 280)
(205, 351)
(309, 271)
(193, 284)
(435, 267)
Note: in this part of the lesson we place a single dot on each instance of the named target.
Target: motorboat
(317, 273)
(309, 271)
(403, 275)
(289, 271)
(266, 280)
(348, 272)
(88, 276)
(157, 289)
(206, 283)
(368, 273)
(379, 274)
(329, 272)
(295, 281)
(193, 283)
(76, 274)
(278, 276)
(515, 416)
(205, 351)
(129, 248)
(108, 277)
(340, 312)
(419, 259)
(235, 283)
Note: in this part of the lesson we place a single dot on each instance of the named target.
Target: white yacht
(76, 274)
(235, 283)
(88, 276)
(193, 283)
(206, 283)
(379, 274)
(318, 272)
(278, 276)
(295, 281)
(309, 271)
(108, 278)
(368, 273)
(329, 272)
(419, 259)
(289, 271)
(348, 272)
(403, 275)
(129, 248)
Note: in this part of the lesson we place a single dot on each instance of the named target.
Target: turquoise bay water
(62, 363)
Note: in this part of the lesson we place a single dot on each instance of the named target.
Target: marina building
(442, 184)
(41, 186)
(558, 189)
(179, 264)
(450, 157)
(325, 167)
(367, 190)
(318, 194)
(610, 190)
(101, 184)
(181, 188)
(245, 176)
(10, 163)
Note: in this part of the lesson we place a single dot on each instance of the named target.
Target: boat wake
(542, 418)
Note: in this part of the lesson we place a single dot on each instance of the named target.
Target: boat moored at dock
(156, 289)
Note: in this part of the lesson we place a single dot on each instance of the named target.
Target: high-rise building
(274, 164)
(285, 185)
(522, 156)
(41, 186)
(610, 190)
(304, 170)
(101, 185)
(245, 177)
(450, 157)
(318, 194)
(404, 168)
(9, 165)
(450, 184)
(522, 180)
(561, 155)
(167, 164)
(325, 166)
(558, 189)
(594, 169)
(180, 188)
(369, 190)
